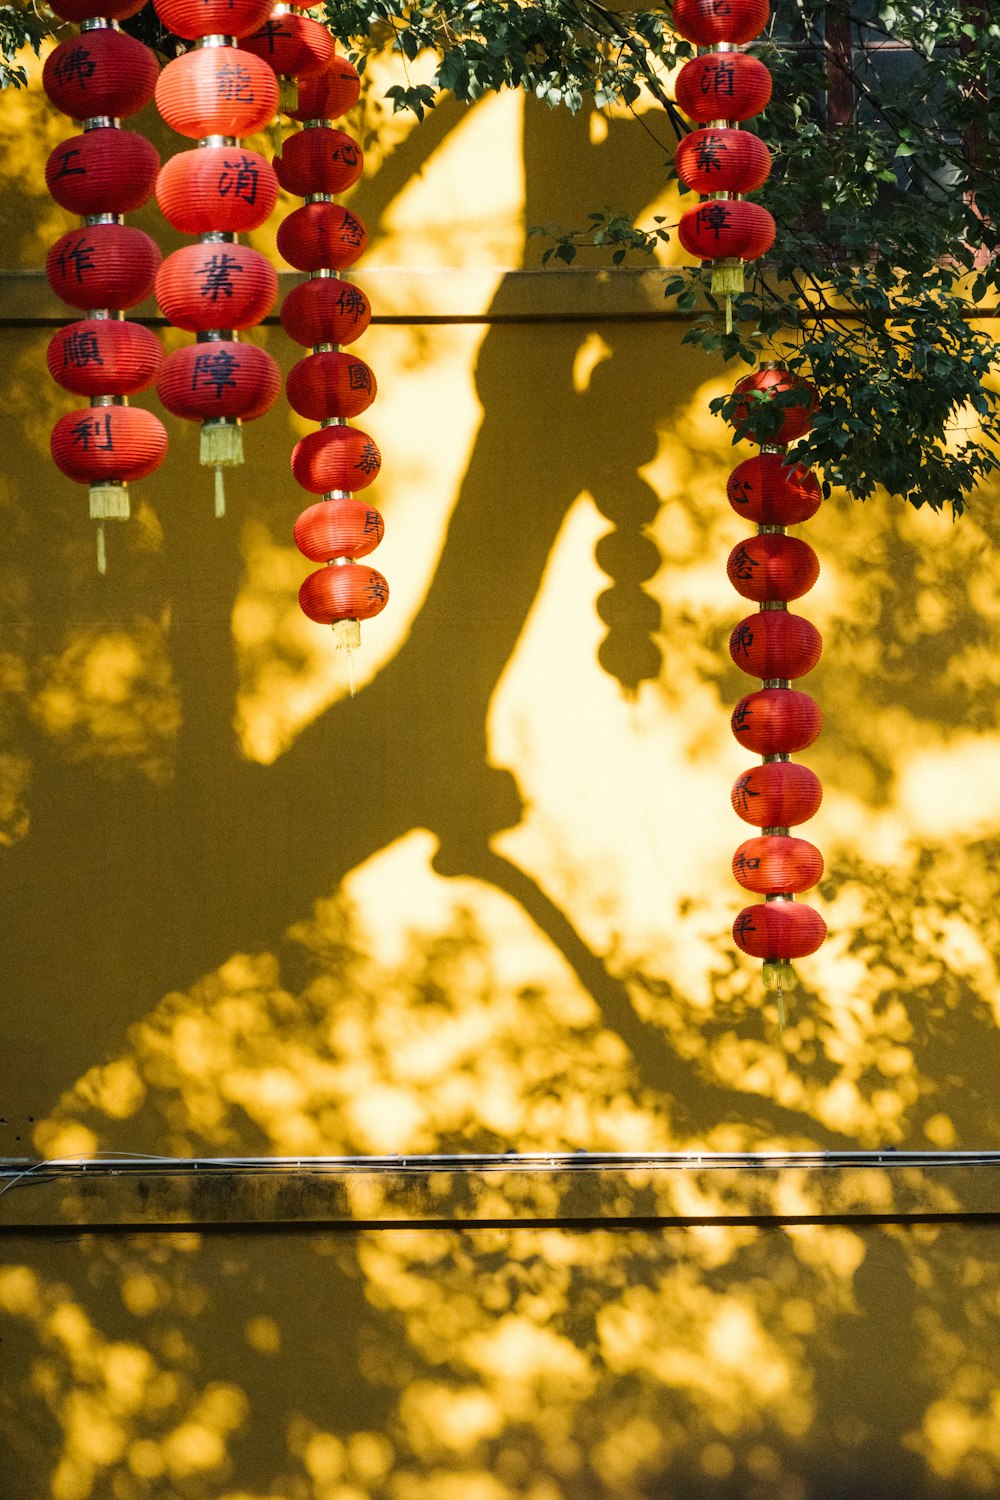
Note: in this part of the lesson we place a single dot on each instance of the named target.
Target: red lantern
(103, 171)
(104, 357)
(325, 310)
(193, 19)
(761, 388)
(103, 265)
(777, 794)
(772, 567)
(723, 86)
(321, 236)
(708, 22)
(92, 10)
(773, 492)
(335, 458)
(338, 528)
(722, 161)
(775, 645)
(215, 285)
(328, 95)
(352, 591)
(776, 930)
(206, 381)
(330, 384)
(100, 73)
(777, 864)
(776, 721)
(319, 160)
(294, 46)
(108, 442)
(217, 189)
(217, 91)
(726, 229)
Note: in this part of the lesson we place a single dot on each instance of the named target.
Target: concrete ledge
(581, 1190)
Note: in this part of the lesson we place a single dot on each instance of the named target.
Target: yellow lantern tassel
(728, 282)
(220, 493)
(102, 556)
(779, 975)
(347, 637)
(221, 448)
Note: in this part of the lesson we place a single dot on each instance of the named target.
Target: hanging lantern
(343, 527)
(722, 161)
(217, 190)
(726, 229)
(193, 19)
(325, 310)
(775, 644)
(708, 22)
(217, 90)
(219, 379)
(335, 458)
(295, 47)
(216, 285)
(771, 491)
(776, 864)
(779, 930)
(319, 160)
(330, 384)
(90, 10)
(772, 567)
(777, 794)
(328, 95)
(104, 266)
(723, 86)
(343, 595)
(776, 721)
(763, 387)
(321, 236)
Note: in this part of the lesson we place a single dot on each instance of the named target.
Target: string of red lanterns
(294, 47)
(215, 94)
(719, 90)
(776, 721)
(328, 385)
(98, 78)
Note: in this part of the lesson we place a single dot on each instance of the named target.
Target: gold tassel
(727, 281)
(288, 95)
(102, 556)
(779, 975)
(220, 493)
(221, 444)
(347, 637)
(109, 502)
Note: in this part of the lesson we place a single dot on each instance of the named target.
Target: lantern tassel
(109, 502)
(779, 975)
(347, 637)
(220, 493)
(727, 282)
(102, 555)
(288, 95)
(276, 136)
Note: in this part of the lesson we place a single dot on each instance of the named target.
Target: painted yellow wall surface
(484, 904)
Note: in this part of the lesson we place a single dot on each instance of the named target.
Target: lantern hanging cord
(102, 554)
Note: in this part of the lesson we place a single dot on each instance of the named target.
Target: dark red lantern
(776, 721)
(775, 645)
(726, 229)
(350, 591)
(321, 236)
(335, 458)
(325, 310)
(108, 443)
(217, 91)
(762, 387)
(217, 189)
(319, 160)
(777, 794)
(92, 10)
(771, 491)
(708, 22)
(100, 73)
(104, 357)
(328, 95)
(103, 171)
(216, 285)
(294, 46)
(330, 384)
(776, 930)
(772, 567)
(777, 864)
(193, 19)
(103, 265)
(338, 528)
(722, 161)
(219, 378)
(723, 86)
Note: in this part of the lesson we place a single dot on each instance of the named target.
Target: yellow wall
(484, 904)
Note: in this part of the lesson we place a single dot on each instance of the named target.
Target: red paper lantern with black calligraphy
(335, 458)
(325, 310)
(709, 22)
(101, 443)
(723, 86)
(104, 357)
(328, 95)
(219, 378)
(217, 91)
(216, 285)
(764, 386)
(772, 491)
(774, 644)
(103, 266)
(726, 229)
(93, 10)
(772, 568)
(330, 384)
(100, 73)
(319, 160)
(293, 46)
(350, 592)
(192, 19)
(343, 527)
(777, 794)
(722, 161)
(779, 930)
(217, 190)
(776, 721)
(102, 171)
(321, 236)
(777, 864)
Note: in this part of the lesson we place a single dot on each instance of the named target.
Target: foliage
(885, 224)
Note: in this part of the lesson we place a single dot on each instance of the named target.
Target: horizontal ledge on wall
(579, 1189)
(403, 295)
